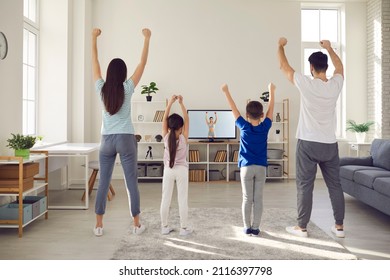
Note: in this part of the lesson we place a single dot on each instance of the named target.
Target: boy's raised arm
(231, 102)
(271, 103)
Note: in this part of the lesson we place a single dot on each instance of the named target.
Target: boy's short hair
(254, 110)
(319, 61)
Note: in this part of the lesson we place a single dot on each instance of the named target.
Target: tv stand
(211, 141)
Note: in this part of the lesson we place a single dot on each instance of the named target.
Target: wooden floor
(67, 234)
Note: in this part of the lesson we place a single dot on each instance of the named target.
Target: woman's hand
(146, 32)
(96, 32)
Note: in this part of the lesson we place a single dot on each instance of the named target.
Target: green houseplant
(21, 144)
(360, 129)
(151, 88)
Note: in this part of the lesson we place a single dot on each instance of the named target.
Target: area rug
(218, 235)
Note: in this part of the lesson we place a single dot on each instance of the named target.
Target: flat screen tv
(212, 125)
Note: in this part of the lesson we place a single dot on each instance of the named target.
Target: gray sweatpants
(308, 155)
(252, 182)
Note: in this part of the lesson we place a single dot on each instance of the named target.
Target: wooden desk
(58, 152)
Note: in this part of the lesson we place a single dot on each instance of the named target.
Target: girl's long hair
(175, 122)
(113, 92)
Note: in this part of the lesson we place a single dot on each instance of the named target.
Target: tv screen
(212, 125)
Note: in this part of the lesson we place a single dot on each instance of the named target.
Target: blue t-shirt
(119, 123)
(253, 142)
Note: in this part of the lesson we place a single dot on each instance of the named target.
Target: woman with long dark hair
(117, 129)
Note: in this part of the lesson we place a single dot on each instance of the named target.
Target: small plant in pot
(151, 88)
(360, 129)
(21, 144)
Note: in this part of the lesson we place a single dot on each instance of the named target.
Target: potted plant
(360, 129)
(151, 88)
(21, 144)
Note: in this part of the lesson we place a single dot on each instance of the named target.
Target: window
(30, 66)
(318, 24)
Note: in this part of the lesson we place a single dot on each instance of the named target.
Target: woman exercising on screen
(211, 124)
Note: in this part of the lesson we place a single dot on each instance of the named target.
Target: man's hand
(325, 44)
(146, 32)
(96, 32)
(282, 41)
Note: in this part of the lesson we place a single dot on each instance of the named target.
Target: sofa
(368, 178)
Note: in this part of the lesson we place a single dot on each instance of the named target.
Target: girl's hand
(180, 98)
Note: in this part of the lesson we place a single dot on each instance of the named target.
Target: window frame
(32, 27)
(337, 46)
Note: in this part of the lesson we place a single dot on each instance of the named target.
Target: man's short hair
(319, 61)
(254, 109)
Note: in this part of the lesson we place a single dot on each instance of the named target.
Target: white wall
(11, 75)
(11, 72)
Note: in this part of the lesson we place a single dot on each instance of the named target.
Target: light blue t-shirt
(119, 123)
(253, 142)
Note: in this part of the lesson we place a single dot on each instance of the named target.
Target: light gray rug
(218, 236)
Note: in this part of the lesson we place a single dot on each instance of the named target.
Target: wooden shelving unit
(40, 182)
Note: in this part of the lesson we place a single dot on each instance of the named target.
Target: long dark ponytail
(113, 92)
(175, 122)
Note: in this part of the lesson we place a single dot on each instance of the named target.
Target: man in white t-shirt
(316, 134)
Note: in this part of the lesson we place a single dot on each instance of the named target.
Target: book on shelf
(194, 156)
(220, 156)
(197, 175)
(235, 156)
(158, 116)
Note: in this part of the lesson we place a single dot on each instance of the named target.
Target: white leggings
(180, 175)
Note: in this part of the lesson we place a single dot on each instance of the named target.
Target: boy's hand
(325, 44)
(96, 32)
(271, 87)
(224, 88)
(282, 41)
(146, 32)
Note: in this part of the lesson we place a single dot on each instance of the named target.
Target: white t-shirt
(317, 116)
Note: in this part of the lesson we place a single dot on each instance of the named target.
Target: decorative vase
(148, 98)
(360, 137)
(278, 119)
(24, 153)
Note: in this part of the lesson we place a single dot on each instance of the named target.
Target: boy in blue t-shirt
(252, 159)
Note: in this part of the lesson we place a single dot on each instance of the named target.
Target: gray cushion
(366, 161)
(367, 177)
(380, 152)
(382, 185)
(347, 171)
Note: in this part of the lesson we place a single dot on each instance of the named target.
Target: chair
(94, 165)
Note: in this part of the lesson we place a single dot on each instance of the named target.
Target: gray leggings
(308, 155)
(126, 146)
(252, 182)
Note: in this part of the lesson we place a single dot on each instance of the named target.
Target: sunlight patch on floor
(290, 242)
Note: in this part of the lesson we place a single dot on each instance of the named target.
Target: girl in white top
(175, 135)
